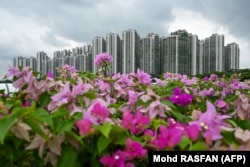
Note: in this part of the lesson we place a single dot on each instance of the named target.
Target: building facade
(114, 48)
(130, 51)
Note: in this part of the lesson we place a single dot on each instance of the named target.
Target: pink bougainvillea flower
(180, 98)
(221, 104)
(63, 97)
(210, 123)
(84, 126)
(81, 88)
(206, 92)
(167, 137)
(143, 77)
(132, 97)
(213, 77)
(100, 110)
(135, 123)
(102, 58)
(157, 108)
(134, 149)
(13, 72)
(50, 75)
(97, 113)
(117, 159)
(192, 131)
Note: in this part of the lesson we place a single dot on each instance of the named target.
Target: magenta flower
(192, 131)
(100, 111)
(167, 137)
(134, 149)
(84, 126)
(210, 123)
(143, 77)
(50, 75)
(97, 113)
(206, 78)
(103, 58)
(180, 98)
(135, 123)
(117, 159)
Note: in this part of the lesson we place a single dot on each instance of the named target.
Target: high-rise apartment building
(150, 56)
(114, 48)
(194, 54)
(181, 52)
(214, 53)
(18, 61)
(51, 66)
(32, 63)
(130, 51)
(99, 46)
(87, 49)
(41, 65)
(201, 56)
(232, 55)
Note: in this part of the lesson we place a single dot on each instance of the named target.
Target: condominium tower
(130, 51)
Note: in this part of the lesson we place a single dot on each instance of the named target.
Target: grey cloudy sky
(29, 26)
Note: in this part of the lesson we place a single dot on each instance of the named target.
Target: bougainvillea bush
(86, 119)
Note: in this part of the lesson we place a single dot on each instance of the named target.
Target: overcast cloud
(29, 26)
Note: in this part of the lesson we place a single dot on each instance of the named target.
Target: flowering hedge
(102, 120)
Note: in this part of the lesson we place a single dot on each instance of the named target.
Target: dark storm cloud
(232, 14)
(28, 26)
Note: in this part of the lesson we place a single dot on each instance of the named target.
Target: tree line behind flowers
(100, 119)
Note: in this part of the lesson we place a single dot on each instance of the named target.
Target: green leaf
(114, 105)
(77, 115)
(90, 94)
(6, 152)
(102, 143)
(198, 146)
(185, 141)
(232, 122)
(35, 127)
(180, 117)
(68, 157)
(74, 136)
(119, 135)
(228, 137)
(45, 99)
(64, 126)
(105, 129)
(60, 112)
(168, 103)
(42, 116)
(244, 124)
(5, 125)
